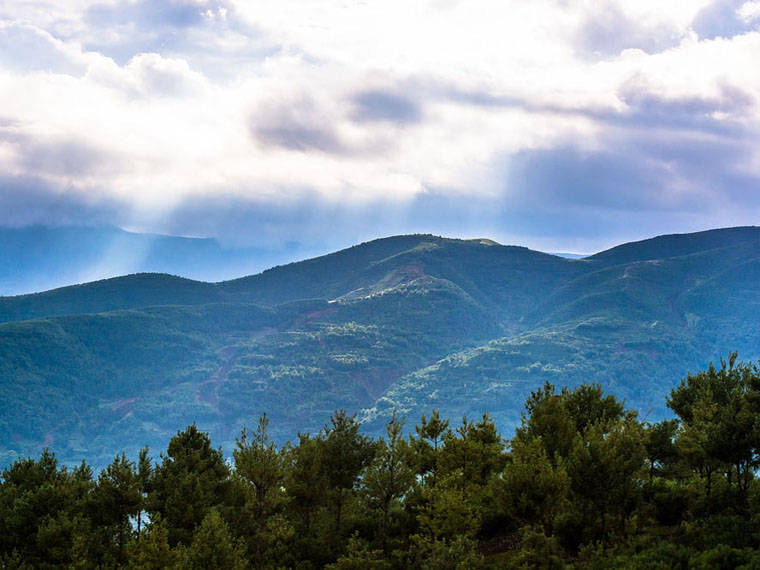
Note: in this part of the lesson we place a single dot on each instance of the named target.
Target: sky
(560, 125)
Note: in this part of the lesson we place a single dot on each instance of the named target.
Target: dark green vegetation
(408, 323)
(584, 484)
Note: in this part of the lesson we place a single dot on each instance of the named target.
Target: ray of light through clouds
(559, 125)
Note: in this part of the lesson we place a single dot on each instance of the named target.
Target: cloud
(149, 15)
(165, 76)
(380, 105)
(66, 158)
(26, 201)
(26, 48)
(471, 118)
(296, 125)
(610, 31)
(125, 29)
(721, 114)
(665, 176)
(319, 226)
(725, 18)
(749, 12)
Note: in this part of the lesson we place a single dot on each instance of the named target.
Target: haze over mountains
(38, 258)
(408, 323)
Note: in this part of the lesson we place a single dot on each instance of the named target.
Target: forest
(583, 483)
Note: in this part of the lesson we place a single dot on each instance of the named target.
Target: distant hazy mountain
(40, 258)
(570, 255)
(408, 323)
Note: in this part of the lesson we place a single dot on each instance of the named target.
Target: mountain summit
(406, 323)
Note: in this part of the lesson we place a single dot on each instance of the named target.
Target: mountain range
(37, 258)
(407, 323)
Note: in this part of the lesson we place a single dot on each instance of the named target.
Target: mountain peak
(676, 245)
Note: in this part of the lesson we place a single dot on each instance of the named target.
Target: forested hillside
(583, 483)
(407, 323)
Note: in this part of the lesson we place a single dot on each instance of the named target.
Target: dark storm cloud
(379, 105)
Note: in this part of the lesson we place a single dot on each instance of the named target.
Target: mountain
(39, 258)
(408, 323)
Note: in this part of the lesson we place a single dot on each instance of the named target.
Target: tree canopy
(584, 483)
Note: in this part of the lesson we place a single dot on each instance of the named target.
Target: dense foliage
(408, 323)
(583, 483)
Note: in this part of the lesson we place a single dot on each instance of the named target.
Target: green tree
(306, 488)
(152, 551)
(191, 479)
(389, 477)
(531, 491)
(547, 420)
(538, 551)
(260, 465)
(213, 546)
(605, 466)
(345, 454)
(720, 413)
(359, 556)
(659, 442)
(144, 485)
(260, 468)
(588, 405)
(42, 510)
(427, 446)
(115, 501)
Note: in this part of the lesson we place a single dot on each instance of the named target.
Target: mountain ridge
(407, 323)
(39, 258)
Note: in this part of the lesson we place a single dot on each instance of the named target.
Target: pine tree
(345, 454)
(605, 467)
(115, 501)
(430, 436)
(260, 469)
(388, 477)
(152, 551)
(192, 479)
(530, 490)
(213, 546)
(144, 485)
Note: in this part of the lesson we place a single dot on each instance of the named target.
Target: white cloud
(261, 100)
(27, 48)
(749, 11)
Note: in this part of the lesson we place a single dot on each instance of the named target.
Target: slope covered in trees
(407, 323)
(583, 483)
